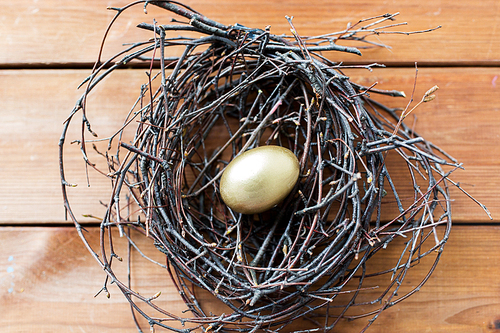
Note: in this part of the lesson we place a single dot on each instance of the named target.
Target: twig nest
(259, 179)
(211, 177)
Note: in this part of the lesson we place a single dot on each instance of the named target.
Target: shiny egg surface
(259, 179)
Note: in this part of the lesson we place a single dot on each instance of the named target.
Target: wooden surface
(51, 32)
(48, 281)
(47, 277)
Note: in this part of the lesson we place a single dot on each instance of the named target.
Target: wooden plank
(48, 279)
(462, 120)
(34, 33)
(31, 130)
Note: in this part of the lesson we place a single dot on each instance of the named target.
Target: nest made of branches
(232, 89)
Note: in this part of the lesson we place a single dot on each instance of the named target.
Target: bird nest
(232, 89)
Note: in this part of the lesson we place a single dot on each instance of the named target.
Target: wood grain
(47, 277)
(48, 280)
(54, 33)
(463, 120)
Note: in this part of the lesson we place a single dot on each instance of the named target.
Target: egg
(259, 179)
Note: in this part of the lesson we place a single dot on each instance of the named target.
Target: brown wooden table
(47, 277)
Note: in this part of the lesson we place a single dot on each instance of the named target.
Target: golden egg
(259, 179)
